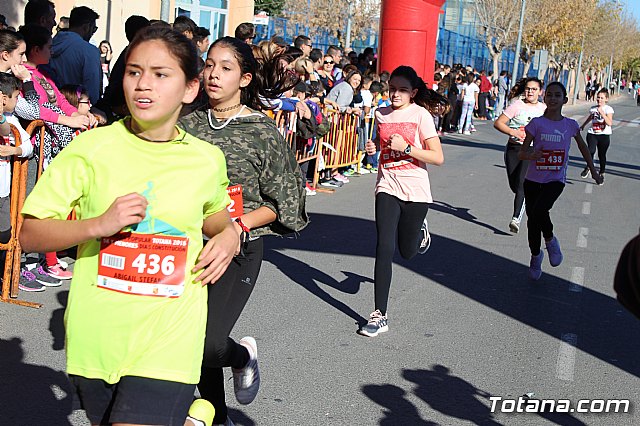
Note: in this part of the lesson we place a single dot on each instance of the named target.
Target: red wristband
(244, 227)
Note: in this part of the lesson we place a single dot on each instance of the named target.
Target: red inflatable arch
(408, 32)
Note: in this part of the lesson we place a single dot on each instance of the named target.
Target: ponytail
(430, 100)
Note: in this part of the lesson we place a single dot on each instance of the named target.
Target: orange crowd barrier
(304, 149)
(340, 145)
(11, 273)
(338, 148)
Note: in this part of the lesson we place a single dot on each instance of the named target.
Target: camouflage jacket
(259, 159)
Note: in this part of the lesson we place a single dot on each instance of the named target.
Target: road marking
(567, 357)
(635, 122)
(582, 237)
(588, 189)
(586, 207)
(577, 279)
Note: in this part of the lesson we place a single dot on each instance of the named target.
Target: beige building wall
(239, 11)
(114, 13)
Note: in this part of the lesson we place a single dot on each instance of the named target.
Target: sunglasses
(328, 62)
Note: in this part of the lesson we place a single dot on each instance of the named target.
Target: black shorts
(137, 400)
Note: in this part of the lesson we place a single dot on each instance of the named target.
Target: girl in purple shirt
(546, 174)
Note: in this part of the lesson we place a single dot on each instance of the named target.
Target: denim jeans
(467, 115)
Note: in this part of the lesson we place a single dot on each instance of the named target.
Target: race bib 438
(143, 264)
(551, 160)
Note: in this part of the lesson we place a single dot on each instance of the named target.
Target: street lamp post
(579, 71)
(165, 10)
(514, 74)
(348, 36)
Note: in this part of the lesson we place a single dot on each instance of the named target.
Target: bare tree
(498, 21)
(332, 15)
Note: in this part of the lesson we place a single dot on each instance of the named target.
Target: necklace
(233, 117)
(227, 109)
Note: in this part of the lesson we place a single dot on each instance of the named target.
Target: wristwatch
(407, 150)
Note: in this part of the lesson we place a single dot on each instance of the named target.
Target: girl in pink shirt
(59, 115)
(523, 106)
(551, 136)
(408, 141)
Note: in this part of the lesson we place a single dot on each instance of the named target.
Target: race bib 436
(143, 264)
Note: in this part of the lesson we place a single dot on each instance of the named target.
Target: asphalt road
(466, 324)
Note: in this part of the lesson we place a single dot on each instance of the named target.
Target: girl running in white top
(599, 135)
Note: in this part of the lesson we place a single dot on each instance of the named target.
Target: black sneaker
(45, 279)
(585, 173)
(425, 242)
(28, 282)
(602, 181)
(332, 183)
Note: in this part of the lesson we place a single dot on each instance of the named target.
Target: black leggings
(395, 220)
(540, 198)
(227, 298)
(601, 142)
(516, 171)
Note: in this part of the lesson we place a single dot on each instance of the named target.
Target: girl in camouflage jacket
(268, 198)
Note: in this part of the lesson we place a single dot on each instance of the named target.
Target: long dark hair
(432, 101)
(269, 78)
(518, 88)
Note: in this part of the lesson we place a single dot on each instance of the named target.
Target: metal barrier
(340, 145)
(338, 148)
(11, 273)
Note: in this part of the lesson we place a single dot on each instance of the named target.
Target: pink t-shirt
(399, 174)
(520, 114)
(553, 138)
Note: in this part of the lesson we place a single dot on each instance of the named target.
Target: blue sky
(634, 7)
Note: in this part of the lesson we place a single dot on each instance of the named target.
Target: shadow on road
(309, 277)
(56, 323)
(398, 410)
(451, 395)
(447, 394)
(239, 418)
(464, 214)
(31, 394)
(606, 331)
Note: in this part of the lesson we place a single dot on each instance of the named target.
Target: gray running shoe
(45, 279)
(246, 381)
(377, 324)
(28, 282)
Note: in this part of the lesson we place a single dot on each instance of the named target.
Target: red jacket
(485, 84)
